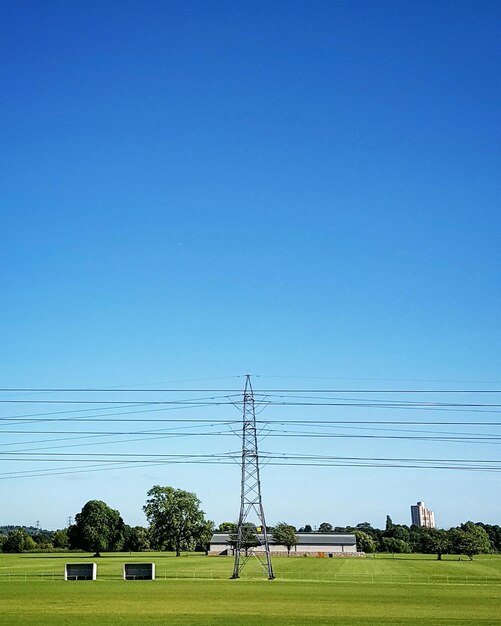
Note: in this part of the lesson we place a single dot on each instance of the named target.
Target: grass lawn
(195, 590)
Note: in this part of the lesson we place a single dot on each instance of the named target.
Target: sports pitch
(195, 590)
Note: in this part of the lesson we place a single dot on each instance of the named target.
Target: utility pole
(250, 493)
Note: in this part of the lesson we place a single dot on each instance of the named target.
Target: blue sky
(201, 190)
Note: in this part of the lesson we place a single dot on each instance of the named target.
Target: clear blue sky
(294, 189)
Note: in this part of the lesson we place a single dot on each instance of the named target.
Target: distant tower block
(421, 516)
(250, 496)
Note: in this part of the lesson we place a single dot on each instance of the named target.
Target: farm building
(314, 544)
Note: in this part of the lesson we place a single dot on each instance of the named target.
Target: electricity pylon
(250, 494)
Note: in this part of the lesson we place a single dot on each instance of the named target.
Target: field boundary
(389, 579)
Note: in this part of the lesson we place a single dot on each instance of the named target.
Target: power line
(150, 435)
(112, 412)
(115, 402)
(111, 418)
(285, 461)
(385, 404)
(85, 418)
(233, 391)
(97, 432)
(465, 439)
(367, 378)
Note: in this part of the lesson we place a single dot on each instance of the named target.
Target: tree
(325, 527)
(227, 527)
(439, 542)
(43, 538)
(249, 537)
(365, 543)
(18, 541)
(430, 541)
(205, 536)
(136, 539)
(374, 533)
(285, 535)
(365, 526)
(97, 528)
(470, 539)
(176, 521)
(397, 531)
(397, 546)
(389, 523)
(60, 539)
(305, 529)
(494, 533)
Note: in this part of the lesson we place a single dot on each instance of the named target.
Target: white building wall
(216, 549)
(421, 516)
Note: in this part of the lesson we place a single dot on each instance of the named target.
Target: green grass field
(195, 590)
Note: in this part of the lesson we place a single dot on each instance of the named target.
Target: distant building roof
(303, 539)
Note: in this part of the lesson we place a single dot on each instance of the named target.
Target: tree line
(176, 523)
(468, 538)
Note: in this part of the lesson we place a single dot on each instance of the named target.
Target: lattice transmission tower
(250, 496)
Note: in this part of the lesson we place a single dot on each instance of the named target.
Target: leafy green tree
(470, 539)
(389, 523)
(136, 539)
(42, 536)
(374, 533)
(97, 528)
(365, 526)
(43, 545)
(494, 533)
(431, 541)
(398, 531)
(397, 546)
(249, 537)
(176, 521)
(227, 527)
(204, 537)
(365, 543)
(416, 538)
(31, 544)
(18, 541)
(60, 539)
(285, 535)
(325, 527)
(305, 529)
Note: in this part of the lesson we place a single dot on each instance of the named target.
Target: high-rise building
(421, 516)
